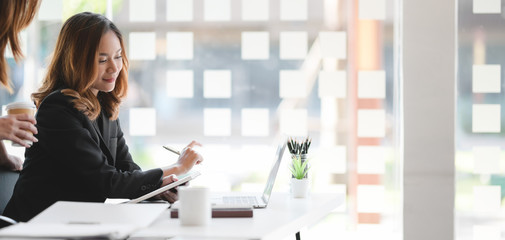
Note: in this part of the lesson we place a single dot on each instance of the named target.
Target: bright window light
(142, 11)
(255, 122)
(334, 159)
(333, 44)
(179, 11)
(142, 122)
(370, 198)
(255, 10)
(292, 84)
(483, 232)
(371, 123)
(486, 198)
(293, 122)
(371, 160)
(255, 45)
(180, 83)
(372, 9)
(217, 84)
(217, 10)
(50, 10)
(486, 160)
(486, 118)
(486, 6)
(332, 84)
(217, 122)
(372, 84)
(179, 45)
(486, 78)
(294, 10)
(142, 46)
(293, 45)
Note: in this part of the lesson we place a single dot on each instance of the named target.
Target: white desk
(284, 216)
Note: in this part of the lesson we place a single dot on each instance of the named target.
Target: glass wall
(237, 75)
(480, 166)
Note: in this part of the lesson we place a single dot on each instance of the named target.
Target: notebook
(255, 201)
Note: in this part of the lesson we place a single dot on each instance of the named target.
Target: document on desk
(73, 219)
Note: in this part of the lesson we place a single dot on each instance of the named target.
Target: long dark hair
(15, 16)
(74, 66)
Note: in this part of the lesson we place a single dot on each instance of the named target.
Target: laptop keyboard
(240, 200)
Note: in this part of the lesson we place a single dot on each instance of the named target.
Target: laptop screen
(273, 173)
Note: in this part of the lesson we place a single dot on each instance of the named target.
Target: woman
(15, 16)
(81, 154)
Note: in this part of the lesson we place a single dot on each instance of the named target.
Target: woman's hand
(170, 195)
(189, 157)
(15, 128)
(11, 162)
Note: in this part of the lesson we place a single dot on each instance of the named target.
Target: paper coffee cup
(20, 108)
(195, 207)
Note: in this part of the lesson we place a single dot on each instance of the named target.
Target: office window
(217, 122)
(255, 10)
(179, 45)
(479, 163)
(236, 75)
(179, 11)
(51, 10)
(486, 78)
(294, 10)
(142, 11)
(180, 83)
(255, 122)
(142, 122)
(371, 84)
(372, 9)
(142, 46)
(217, 10)
(255, 45)
(217, 84)
(293, 45)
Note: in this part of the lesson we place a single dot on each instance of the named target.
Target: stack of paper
(73, 231)
(83, 219)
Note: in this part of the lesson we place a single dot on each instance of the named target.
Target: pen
(172, 150)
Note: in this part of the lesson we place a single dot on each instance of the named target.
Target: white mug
(195, 207)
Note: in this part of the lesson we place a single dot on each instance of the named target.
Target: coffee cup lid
(16, 105)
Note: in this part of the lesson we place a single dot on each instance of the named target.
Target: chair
(7, 181)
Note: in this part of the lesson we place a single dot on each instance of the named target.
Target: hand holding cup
(19, 125)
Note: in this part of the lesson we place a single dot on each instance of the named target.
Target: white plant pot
(299, 187)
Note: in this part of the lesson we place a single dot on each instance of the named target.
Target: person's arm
(8, 161)
(188, 158)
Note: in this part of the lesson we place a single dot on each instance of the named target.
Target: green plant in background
(298, 168)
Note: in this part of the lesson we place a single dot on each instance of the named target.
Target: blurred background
(237, 76)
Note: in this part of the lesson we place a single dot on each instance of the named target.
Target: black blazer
(76, 159)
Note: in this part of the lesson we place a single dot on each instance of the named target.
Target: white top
(283, 216)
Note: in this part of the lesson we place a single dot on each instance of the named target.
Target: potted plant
(299, 167)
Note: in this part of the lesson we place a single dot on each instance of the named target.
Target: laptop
(255, 201)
